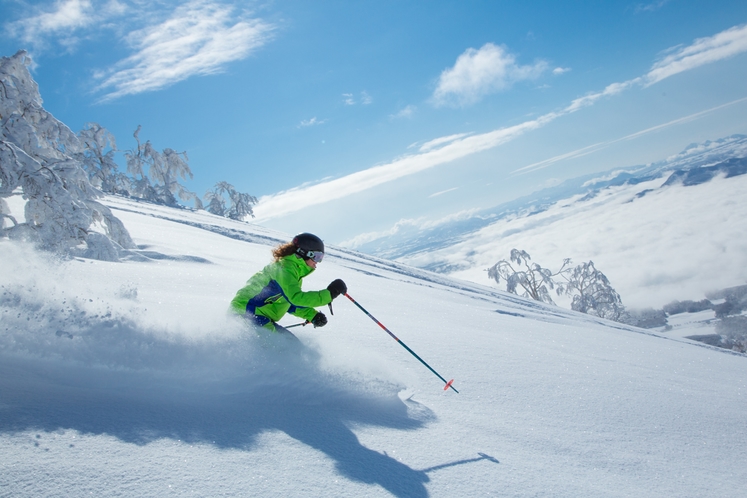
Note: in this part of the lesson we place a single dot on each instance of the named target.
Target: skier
(276, 290)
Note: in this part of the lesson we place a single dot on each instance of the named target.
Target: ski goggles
(317, 256)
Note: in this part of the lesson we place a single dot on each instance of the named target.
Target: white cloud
(437, 142)
(66, 22)
(592, 98)
(312, 122)
(67, 17)
(199, 38)
(560, 70)
(406, 113)
(407, 225)
(478, 73)
(703, 51)
(650, 7)
(436, 194)
(349, 98)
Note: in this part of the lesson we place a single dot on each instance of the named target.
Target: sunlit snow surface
(129, 379)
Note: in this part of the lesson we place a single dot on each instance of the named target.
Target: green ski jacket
(276, 290)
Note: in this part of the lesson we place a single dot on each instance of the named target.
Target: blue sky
(353, 119)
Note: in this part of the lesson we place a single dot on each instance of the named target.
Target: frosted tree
(138, 164)
(216, 202)
(99, 147)
(240, 204)
(164, 169)
(173, 168)
(521, 273)
(592, 293)
(40, 161)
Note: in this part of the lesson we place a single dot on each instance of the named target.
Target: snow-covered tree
(535, 280)
(164, 169)
(216, 202)
(173, 168)
(240, 204)
(733, 332)
(592, 293)
(647, 318)
(139, 161)
(99, 147)
(40, 160)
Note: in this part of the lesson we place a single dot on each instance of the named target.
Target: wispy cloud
(478, 73)
(349, 98)
(438, 142)
(66, 16)
(311, 122)
(650, 7)
(63, 22)
(405, 113)
(568, 155)
(436, 194)
(703, 51)
(199, 38)
(593, 97)
(447, 149)
(598, 146)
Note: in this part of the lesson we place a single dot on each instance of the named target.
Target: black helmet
(307, 245)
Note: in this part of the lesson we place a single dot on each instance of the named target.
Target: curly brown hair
(284, 250)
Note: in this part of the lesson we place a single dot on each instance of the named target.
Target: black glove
(319, 320)
(337, 287)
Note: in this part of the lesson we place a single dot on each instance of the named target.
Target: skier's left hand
(319, 320)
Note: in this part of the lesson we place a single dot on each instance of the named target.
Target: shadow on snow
(276, 389)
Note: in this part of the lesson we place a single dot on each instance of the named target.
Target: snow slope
(128, 379)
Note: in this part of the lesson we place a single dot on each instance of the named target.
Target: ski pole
(448, 384)
(298, 325)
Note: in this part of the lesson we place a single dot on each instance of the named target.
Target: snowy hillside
(128, 379)
(672, 230)
(656, 243)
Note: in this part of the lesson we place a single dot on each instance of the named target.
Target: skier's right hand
(319, 320)
(337, 287)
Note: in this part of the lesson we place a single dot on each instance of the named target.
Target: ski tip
(448, 385)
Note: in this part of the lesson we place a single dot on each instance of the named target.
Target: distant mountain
(697, 164)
